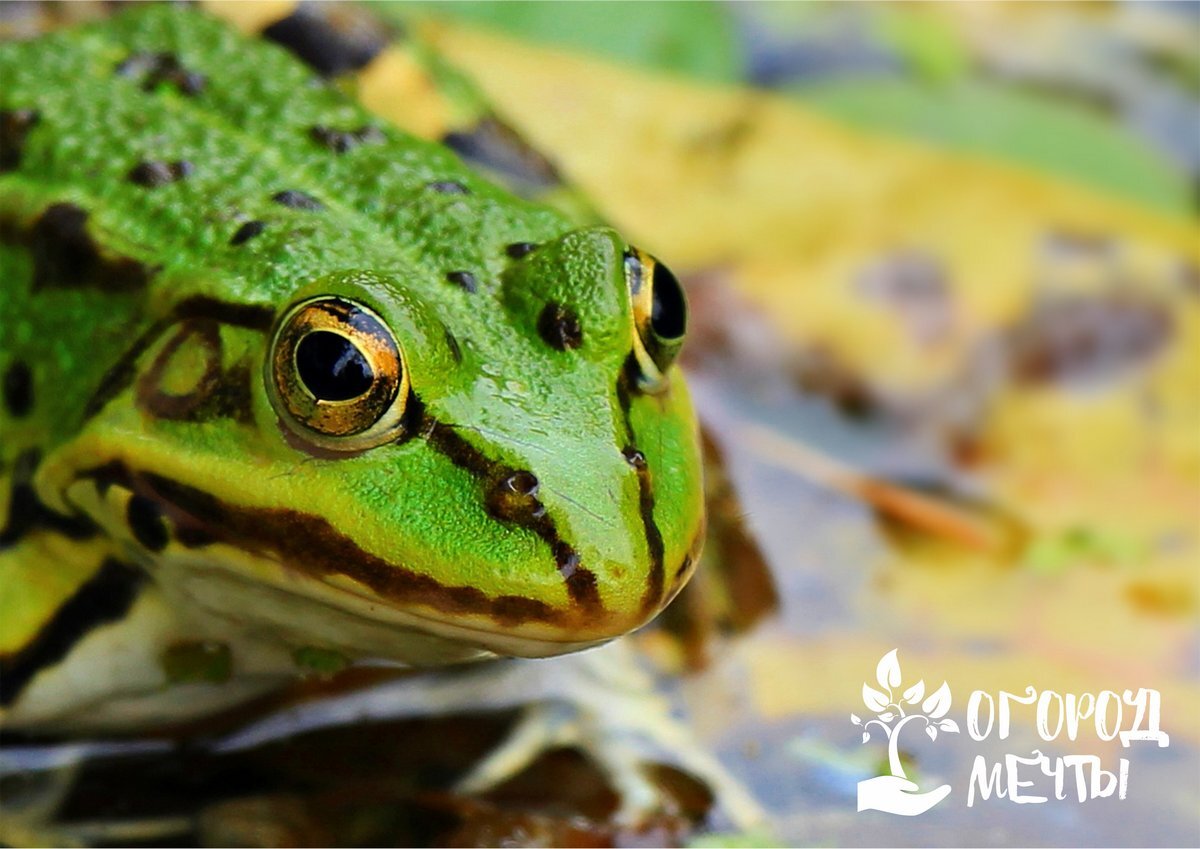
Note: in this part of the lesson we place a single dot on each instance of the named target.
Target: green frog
(285, 389)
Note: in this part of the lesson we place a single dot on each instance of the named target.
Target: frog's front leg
(602, 702)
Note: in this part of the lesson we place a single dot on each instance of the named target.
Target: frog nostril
(522, 483)
(634, 458)
(514, 498)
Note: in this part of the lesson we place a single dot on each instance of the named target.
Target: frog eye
(659, 316)
(337, 374)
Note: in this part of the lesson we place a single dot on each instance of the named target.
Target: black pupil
(668, 311)
(332, 367)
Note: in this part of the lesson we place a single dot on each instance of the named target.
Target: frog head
(427, 470)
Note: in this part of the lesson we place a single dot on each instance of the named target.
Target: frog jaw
(278, 571)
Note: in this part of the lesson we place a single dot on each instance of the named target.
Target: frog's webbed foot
(621, 753)
(613, 716)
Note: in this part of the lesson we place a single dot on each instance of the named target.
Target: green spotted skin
(170, 190)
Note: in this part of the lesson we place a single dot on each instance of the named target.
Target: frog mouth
(337, 568)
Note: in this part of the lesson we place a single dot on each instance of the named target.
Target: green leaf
(697, 39)
(1058, 137)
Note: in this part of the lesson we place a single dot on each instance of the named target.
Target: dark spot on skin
(65, 256)
(494, 146)
(18, 390)
(340, 141)
(104, 597)
(154, 173)
(247, 232)
(517, 250)
(293, 199)
(147, 524)
(463, 279)
(452, 344)
(162, 68)
(15, 125)
(448, 187)
(330, 46)
(559, 327)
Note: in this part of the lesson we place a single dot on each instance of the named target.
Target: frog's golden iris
(659, 316)
(338, 375)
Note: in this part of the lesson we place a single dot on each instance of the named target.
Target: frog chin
(233, 588)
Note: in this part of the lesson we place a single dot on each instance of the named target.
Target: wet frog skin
(283, 387)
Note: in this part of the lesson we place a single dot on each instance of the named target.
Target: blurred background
(944, 271)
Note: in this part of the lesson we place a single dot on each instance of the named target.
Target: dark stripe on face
(511, 500)
(330, 46)
(27, 512)
(310, 544)
(103, 598)
(121, 375)
(654, 541)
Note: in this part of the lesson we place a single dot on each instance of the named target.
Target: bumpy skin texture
(168, 190)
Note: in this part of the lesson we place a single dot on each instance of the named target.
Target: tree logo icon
(895, 793)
